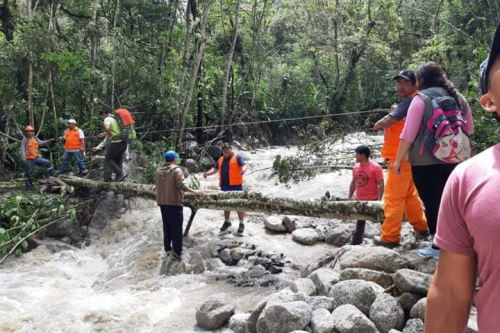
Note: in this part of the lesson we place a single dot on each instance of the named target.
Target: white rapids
(114, 285)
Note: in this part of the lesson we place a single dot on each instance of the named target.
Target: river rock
(206, 163)
(192, 165)
(289, 224)
(394, 331)
(283, 296)
(359, 293)
(238, 322)
(225, 256)
(214, 312)
(66, 228)
(322, 321)
(381, 278)
(418, 310)
(414, 326)
(412, 281)
(339, 236)
(408, 300)
(386, 313)
(348, 319)
(305, 286)
(322, 302)
(274, 223)
(306, 236)
(284, 317)
(376, 258)
(324, 279)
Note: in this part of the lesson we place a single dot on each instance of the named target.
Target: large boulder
(324, 279)
(339, 236)
(382, 278)
(214, 312)
(386, 313)
(376, 258)
(274, 223)
(238, 322)
(359, 293)
(192, 165)
(322, 302)
(348, 319)
(412, 281)
(66, 228)
(322, 321)
(414, 326)
(306, 236)
(305, 286)
(418, 310)
(284, 317)
(283, 296)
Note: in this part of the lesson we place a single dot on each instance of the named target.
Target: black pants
(113, 160)
(429, 181)
(357, 237)
(172, 228)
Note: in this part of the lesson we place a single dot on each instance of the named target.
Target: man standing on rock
(231, 168)
(468, 230)
(170, 188)
(368, 183)
(400, 196)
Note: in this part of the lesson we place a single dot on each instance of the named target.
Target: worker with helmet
(31, 157)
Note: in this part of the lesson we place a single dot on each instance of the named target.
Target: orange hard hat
(29, 128)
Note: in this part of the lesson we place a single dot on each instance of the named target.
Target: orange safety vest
(391, 140)
(235, 176)
(32, 152)
(72, 139)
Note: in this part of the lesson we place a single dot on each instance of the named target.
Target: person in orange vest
(231, 168)
(400, 196)
(74, 146)
(31, 157)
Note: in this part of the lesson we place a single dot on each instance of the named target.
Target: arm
(23, 149)
(210, 172)
(82, 140)
(102, 144)
(450, 294)
(352, 187)
(44, 143)
(403, 148)
(385, 122)
(380, 189)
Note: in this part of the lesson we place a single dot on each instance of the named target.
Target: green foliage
(21, 215)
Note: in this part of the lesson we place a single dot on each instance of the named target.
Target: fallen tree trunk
(248, 202)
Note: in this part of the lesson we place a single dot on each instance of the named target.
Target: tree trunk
(229, 63)
(249, 202)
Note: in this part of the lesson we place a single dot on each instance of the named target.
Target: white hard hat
(72, 121)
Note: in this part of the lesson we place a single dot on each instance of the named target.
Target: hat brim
(402, 77)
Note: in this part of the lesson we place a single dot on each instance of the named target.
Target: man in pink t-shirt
(368, 183)
(468, 231)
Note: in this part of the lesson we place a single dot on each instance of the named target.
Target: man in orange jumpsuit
(400, 196)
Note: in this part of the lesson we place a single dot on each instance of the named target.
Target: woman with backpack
(435, 137)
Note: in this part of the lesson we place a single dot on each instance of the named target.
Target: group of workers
(114, 144)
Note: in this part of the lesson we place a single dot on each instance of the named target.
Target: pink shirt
(416, 113)
(469, 224)
(366, 178)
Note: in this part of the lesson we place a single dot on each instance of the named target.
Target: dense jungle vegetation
(182, 64)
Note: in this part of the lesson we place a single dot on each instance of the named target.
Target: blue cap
(170, 155)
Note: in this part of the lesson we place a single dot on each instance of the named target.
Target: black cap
(484, 70)
(106, 110)
(406, 75)
(226, 145)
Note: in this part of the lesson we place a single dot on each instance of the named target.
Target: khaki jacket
(170, 187)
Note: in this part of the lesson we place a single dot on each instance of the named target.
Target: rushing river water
(114, 284)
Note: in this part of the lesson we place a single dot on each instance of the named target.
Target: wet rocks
(305, 236)
(289, 224)
(324, 279)
(66, 228)
(322, 321)
(214, 312)
(339, 236)
(322, 302)
(284, 317)
(376, 258)
(305, 286)
(386, 313)
(192, 165)
(418, 310)
(348, 319)
(412, 281)
(274, 223)
(238, 322)
(414, 326)
(359, 293)
(407, 301)
(381, 278)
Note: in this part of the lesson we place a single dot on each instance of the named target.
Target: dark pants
(67, 157)
(357, 237)
(429, 181)
(30, 165)
(172, 228)
(113, 160)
